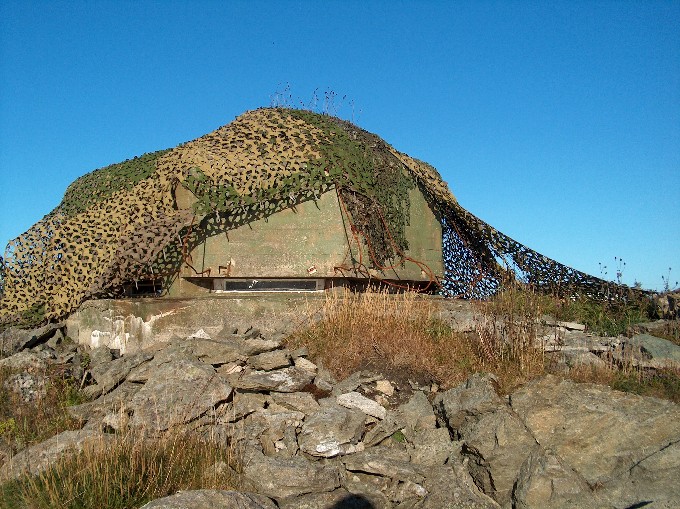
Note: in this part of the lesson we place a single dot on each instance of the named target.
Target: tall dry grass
(125, 472)
(402, 332)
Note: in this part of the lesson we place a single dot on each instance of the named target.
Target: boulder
(211, 499)
(331, 431)
(450, 486)
(24, 360)
(301, 401)
(176, 393)
(14, 339)
(112, 403)
(649, 351)
(386, 462)
(495, 441)
(627, 445)
(109, 374)
(545, 481)
(281, 478)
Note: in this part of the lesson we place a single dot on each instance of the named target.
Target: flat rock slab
(331, 431)
(176, 393)
(301, 401)
(385, 462)
(112, 402)
(268, 361)
(216, 352)
(23, 361)
(290, 379)
(211, 499)
(361, 402)
(280, 478)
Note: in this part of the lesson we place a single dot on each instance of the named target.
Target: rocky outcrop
(306, 440)
(571, 346)
(556, 443)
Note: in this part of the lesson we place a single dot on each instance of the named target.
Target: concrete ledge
(135, 324)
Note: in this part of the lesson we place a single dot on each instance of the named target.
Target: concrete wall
(308, 241)
(134, 324)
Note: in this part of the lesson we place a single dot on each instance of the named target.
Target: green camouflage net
(137, 220)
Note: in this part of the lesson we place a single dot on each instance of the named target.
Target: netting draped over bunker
(139, 219)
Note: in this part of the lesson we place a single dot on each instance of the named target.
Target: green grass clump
(600, 317)
(660, 384)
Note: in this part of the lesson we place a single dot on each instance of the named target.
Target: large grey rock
(290, 379)
(431, 447)
(255, 345)
(115, 401)
(216, 352)
(301, 401)
(374, 488)
(109, 374)
(211, 499)
(450, 487)
(243, 404)
(652, 481)
(24, 360)
(415, 414)
(14, 339)
(495, 441)
(37, 458)
(546, 482)
(99, 358)
(651, 352)
(280, 478)
(178, 392)
(386, 462)
(606, 436)
(464, 404)
(331, 431)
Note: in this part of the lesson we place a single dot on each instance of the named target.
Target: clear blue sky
(556, 122)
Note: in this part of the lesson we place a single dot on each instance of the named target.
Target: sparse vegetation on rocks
(381, 399)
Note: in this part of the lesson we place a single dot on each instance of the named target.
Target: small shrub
(604, 318)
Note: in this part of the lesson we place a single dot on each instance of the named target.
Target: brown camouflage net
(137, 220)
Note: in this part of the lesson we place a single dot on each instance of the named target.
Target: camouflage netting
(129, 221)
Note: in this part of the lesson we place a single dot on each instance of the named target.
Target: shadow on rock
(353, 502)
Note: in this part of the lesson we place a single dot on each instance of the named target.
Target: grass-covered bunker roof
(125, 222)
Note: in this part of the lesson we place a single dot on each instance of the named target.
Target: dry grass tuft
(125, 472)
(401, 332)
